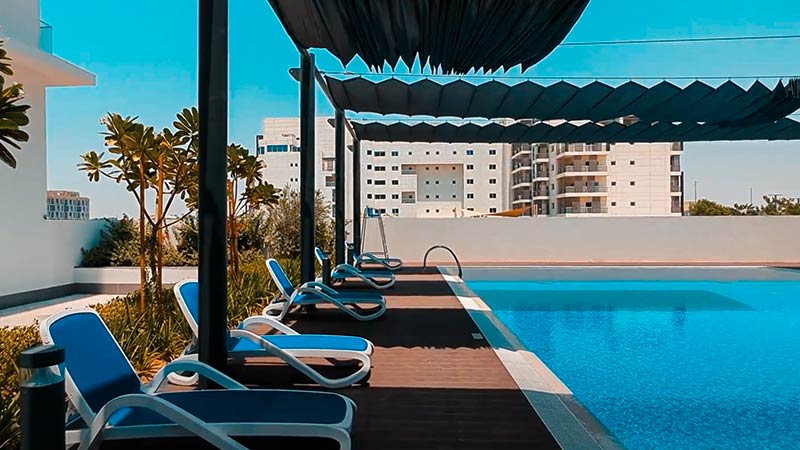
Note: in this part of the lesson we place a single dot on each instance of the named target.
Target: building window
(436, 182)
(382, 210)
(369, 152)
(492, 180)
(470, 195)
(633, 183)
(633, 163)
(492, 166)
(470, 209)
(395, 168)
(454, 181)
(437, 167)
(369, 180)
(427, 168)
(427, 153)
(395, 211)
(437, 195)
(613, 203)
(492, 210)
(469, 152)
(633, 203)
(395, 182)
(380, 168)
(427, 210)
(380, 182)
(455, 152)
(395, 196)
(437, 152)
(427, 181)
(492, 195)
(395, 153)
(380, 196)
(470, 181)
(369, 166)
(613, 163)
(427, 196)
(492, 152)
(613, 183)
(454, 168)
(369, 196)
(409, 153)
(454, 195)
(380, 154)
(470, 167)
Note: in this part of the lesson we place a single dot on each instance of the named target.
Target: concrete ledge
(23, 298)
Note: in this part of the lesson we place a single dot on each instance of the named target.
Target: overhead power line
(682, 40)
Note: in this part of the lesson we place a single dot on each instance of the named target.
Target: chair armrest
(179, 416)
(316, 285)
(189, 363)
(268, 321)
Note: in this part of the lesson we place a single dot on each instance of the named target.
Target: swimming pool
(665, 358)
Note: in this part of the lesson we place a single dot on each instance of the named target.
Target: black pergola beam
(212, 182)
(357, 195)
(339, 199)
(307, 161)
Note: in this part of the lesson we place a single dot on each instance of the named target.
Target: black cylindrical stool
(42, 403)
(326, 271)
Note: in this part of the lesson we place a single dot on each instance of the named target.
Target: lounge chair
(289, 345)
(107, 393)
(370, 259)
(377, 278)
(359, 305)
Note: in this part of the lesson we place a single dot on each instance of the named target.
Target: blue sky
(145, 57)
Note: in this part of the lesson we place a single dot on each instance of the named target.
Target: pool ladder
(444, 247)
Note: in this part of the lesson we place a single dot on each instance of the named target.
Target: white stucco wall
(553, 240)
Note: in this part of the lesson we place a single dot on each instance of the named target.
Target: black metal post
(213, 107)
(41, 398)
(307, 117)
(683, 212)
(339, 200)
(357, 195)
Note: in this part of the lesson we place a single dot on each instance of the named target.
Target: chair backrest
(319, 254)
(280, 278)
(97, 369)
(187, 293)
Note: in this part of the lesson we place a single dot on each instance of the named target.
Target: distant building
(597, 179)
(67, 205)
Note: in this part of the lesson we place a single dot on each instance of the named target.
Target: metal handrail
(425, 259)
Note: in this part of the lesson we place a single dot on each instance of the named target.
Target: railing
(516, 166)
(581, 148)
(582, 210)
(675, 188)
(45, 37)
(408, 172)
(408, 200)
(581, 189)
(590, 168)
(676, 209)
(675, 168)
(425, 259)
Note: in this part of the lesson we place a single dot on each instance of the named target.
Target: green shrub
(283, 225)
(12, 342)
(119, 246)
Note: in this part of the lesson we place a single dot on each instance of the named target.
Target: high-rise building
(597, 179)
(454, 180)
(67, 205)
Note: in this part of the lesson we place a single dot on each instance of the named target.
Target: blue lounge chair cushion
(244, 406)
(349, 298)
(301, 342)
(95, 362)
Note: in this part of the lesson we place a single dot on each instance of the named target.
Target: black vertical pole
(340, 177)
(357, 195)
(213, 107)
(307, 118)
(683, 212)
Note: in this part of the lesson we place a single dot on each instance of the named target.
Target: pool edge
(572, 425)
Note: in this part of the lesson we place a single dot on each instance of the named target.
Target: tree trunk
(232, 235)
(160, 226)
(142, 213)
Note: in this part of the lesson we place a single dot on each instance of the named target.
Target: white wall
(753, 240)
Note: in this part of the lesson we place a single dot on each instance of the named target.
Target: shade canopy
(784, 129)
(451, 36)
(727, 105)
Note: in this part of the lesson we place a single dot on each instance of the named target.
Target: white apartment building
(67, 205)
(38, 254)
(402, 179)
(435, 180)
(279, 147)
(597, 179)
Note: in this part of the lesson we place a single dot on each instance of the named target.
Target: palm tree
(12, 115)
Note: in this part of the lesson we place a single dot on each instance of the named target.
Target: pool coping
(572, 425)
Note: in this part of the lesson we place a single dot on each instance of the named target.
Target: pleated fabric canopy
(615, 132)
(726, 105)
(452, 36)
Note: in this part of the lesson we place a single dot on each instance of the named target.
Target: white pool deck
(30, 313)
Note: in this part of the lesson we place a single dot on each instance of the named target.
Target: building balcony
(675, 168)
(674, 188)
(519, 153)
(582, 169)
(581, 149)
(521, 201)
(677, 147)
(520, 184)
(567, 210)
(676, 209)
(541, 156)
(516, 168)
(568, 191)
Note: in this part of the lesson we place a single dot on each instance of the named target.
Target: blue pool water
(668, 364)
